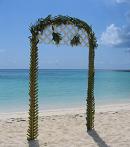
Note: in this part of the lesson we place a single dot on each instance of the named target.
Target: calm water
(62, 88)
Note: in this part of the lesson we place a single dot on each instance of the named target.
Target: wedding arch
(60, 30)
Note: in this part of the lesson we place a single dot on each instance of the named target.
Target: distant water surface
(62, 88)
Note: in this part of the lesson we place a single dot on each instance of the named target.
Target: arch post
(90, 92)
(32, 132)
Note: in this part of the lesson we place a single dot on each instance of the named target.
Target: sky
(110, 20)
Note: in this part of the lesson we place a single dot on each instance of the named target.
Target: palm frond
(56, 37)
(76, 40)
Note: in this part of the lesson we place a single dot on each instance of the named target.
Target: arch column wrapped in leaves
(59, 30)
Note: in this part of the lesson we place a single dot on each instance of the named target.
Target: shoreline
(72, 111)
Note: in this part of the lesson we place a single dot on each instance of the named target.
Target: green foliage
(56, 37)
(76, 40)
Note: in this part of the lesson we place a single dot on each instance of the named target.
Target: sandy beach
(66, 128)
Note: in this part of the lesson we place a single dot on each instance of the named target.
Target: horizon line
(64, 69)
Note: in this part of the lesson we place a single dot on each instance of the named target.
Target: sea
(62, 88)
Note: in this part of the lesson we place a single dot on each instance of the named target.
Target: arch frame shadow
(33, 143)
(98, 140)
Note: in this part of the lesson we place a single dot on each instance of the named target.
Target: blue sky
(110, 20)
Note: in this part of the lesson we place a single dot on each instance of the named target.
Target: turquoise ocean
(62, 88)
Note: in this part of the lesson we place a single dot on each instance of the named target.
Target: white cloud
(111, 35)
(116, 36)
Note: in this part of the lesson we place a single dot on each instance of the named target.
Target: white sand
(66, 128)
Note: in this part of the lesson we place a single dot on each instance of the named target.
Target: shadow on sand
(98, 140)
(33, 143)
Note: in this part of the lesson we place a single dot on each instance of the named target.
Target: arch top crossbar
(71, 31)
(42, 23)
(59, 30)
